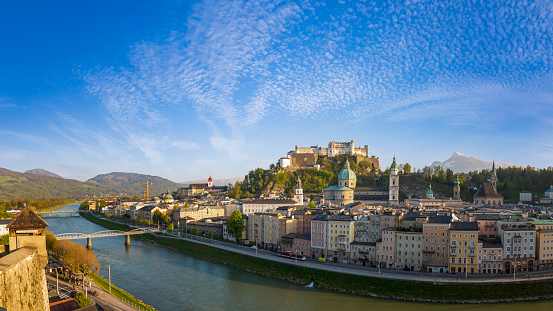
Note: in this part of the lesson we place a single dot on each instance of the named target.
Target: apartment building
(386, 248)
(435, 246)
(487, 225)
(463, 247)
(518, 236)
(409, 250)
(363, 253)
(490, 257)
(367, 229)
(340, 235)
(319, 236)
(544, 243)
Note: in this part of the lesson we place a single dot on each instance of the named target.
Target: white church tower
(393, 197)
(298, 192)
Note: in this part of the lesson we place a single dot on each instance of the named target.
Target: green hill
(15, 185)
(130, 183)
(416, 186)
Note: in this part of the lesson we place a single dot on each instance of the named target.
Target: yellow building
(463, 247)
(340, 235)
(544, 243)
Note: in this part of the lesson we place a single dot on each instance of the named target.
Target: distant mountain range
(39, 171)
(460, 163)
(134, 183)
(15, 185)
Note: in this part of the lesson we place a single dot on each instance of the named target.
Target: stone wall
(23, 281)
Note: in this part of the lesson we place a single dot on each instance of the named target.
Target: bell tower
(493, 177)
(210, 182)
(298, 192)
(393, 196)
(456, 189)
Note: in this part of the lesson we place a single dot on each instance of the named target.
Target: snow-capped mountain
(460, 163)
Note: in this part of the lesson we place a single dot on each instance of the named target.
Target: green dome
(168, 196)
(346, 173)
(394, 165)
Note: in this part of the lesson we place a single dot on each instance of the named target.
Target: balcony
(429, 251)
(471, 255)
(342, 239)
(453, 254)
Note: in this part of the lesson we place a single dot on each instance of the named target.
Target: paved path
(102, 298)
(373, 272)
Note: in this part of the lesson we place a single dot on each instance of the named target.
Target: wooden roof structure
(27, 219)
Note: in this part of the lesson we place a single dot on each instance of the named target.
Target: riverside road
(366, 271)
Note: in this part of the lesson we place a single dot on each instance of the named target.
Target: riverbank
(51, 208)
(353, 284)
(119, 293)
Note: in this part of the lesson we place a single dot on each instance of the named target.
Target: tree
(5, 240)
(235, 224)
(210, 234)
(170, 227)
(76, 257)
(194, 230)
(311, 204)
(50, 240)
(157, 216)
(167, 219)
(407, 168)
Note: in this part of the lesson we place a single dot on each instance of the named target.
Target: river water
(169, 280)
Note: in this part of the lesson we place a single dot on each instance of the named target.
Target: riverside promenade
(437, 278)
(102, 298)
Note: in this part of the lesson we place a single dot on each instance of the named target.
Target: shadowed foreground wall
(23, 281)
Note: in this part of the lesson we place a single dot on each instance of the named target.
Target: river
(169, 280)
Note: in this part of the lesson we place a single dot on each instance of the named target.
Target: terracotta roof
(27, 219)
(487, 190)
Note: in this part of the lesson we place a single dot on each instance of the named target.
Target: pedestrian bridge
(106, 233)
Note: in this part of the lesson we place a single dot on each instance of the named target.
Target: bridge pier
(89, 243)
(127, 239)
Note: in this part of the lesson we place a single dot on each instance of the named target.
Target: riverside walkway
(366, 271)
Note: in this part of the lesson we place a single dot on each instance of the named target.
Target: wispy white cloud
(238, 63)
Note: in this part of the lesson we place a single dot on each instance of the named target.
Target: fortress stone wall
(23, 281)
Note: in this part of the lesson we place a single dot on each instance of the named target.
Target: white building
(525, 196)
(265, 205)
(3, 224)
(284, 162)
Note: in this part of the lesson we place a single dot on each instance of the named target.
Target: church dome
(346, 173)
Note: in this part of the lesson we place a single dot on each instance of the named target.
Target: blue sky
(189, 89)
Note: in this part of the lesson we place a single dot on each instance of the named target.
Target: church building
(487, 193)
(347, 190)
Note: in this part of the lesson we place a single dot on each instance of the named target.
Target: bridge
(106, 233)
(42, 214)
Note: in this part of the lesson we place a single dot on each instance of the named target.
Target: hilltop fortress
(306, 157)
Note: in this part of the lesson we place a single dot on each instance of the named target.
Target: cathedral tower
(210, 182)
(393, 196)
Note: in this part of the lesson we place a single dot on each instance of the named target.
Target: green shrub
(82, 300)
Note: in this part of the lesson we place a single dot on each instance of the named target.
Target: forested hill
(15, 185)
(131, 183)
(278, 180)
